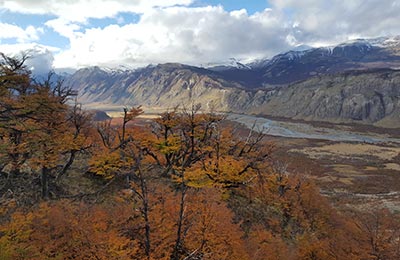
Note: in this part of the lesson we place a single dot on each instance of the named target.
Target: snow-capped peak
(385, 42)
(230, 63)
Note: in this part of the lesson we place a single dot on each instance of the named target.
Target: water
(307, 131)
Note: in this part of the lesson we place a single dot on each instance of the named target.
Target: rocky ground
(359, 173)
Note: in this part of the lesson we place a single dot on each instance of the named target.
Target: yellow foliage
(108, 165)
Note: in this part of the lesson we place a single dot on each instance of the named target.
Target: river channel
(308, 131)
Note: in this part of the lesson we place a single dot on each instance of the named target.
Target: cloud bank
(179, 34)
(175, 31)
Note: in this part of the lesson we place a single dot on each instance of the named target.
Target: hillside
(187, 184)
(368, 97)
(163, 86)
(354, 82)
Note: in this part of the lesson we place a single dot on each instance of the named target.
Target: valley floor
(363, 173)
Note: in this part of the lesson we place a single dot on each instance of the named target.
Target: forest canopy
(188, 184)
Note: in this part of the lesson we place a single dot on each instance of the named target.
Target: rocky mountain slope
(161, 86)
(371, 97)
(298, 65)
(353, 82)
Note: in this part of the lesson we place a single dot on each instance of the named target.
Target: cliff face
(370, 97)
(362, 97)
(162, 86)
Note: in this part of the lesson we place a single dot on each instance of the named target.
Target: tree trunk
(66, 167)
(145, 212)
(147, 224)
(179, 243)
(44, 179)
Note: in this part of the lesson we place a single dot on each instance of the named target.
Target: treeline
(188, 185)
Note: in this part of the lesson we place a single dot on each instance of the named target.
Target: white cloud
(337, 20)
(63, 27)
(178, 34)
(41, 61)
(40, 56)
(166, 32)
(10, 31)
(210, 34)
(81, 10)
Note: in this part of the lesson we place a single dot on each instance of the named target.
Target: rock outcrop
(370, 97)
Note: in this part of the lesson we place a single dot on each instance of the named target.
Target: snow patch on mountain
(232, 63)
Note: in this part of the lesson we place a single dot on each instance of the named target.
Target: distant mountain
(356, 81)
(164, 85)
(307, 62)
(52, 76)
(230, 64)
(368, 97)
(100, 116)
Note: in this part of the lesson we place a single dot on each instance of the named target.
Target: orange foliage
(210, 232)
(380, 234)
(263, 245)
(226, 199)
(288, 212)
(36, 127)
(66, 231)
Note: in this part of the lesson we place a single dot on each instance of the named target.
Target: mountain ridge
(368, 95)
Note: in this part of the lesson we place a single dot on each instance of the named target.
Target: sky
(72, 34)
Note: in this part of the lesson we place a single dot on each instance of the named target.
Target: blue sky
(251, 6)
(72, 34)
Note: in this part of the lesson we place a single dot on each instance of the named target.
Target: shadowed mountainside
(353, 82)
(299, 65)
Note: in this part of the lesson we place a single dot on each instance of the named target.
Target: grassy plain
(351, 174)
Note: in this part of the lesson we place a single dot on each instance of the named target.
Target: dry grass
(392, 166)
(351, 174)
(355, 175)
(351, 150)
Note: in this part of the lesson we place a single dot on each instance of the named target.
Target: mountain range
(353, 82)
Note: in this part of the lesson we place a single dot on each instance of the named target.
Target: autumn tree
(380, 233)
(208, 228)
(122, 155)
(188, 147)
(68, 230)
(38, 129)
(14, 87)
(195, 151)
(186, 186)
(81, 129)
(285, 210)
